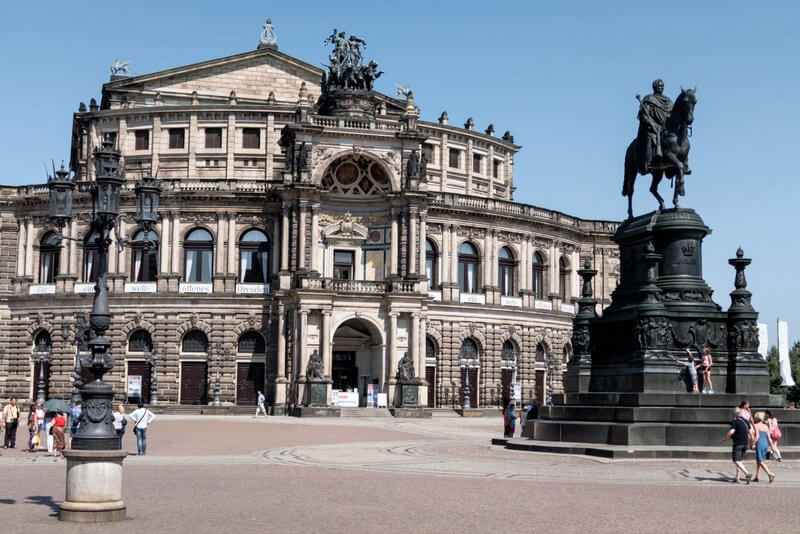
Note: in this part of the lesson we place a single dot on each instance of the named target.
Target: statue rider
(654, 110)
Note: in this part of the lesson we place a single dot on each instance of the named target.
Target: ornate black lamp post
(79, 327)
(466, 403)
(550, 368)
(218, 355)
(43, 356)
(96, 431)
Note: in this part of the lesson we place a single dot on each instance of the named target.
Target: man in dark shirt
(739, 435)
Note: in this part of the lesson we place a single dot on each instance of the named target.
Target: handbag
(776, 432)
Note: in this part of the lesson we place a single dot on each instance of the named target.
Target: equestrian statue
(661, 146)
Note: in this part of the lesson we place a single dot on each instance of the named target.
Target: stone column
(301, 236)
(63, 258)
(413, 340)
(525, 265)
(155, 145)
(325, 337)
(395, 238)
(176, 246)
(454, 255)
(219, 253)
(422, 243)
(553, 269)
(269, 145)
(487, 259)
(575, 265)
(303, 337)
(231, 272)
(21, 240)
(285, 236)
(164, 242)
(230, 137)
(412, 241)
(314, 240)
(276, 246)
(281, 368)
(194, 134)
(73, 249)
(493, 259)
(423, 328)
(468, 167)
(444, 258)
(29, 249)
(392, 347)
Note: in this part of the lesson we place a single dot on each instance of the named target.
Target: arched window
(91, 257)
(49, 258)
(42, 342)
(508, 354)
(469, 350)
(254, 257)
(140, 341)
(194, 341)
(356, 175)
(468, 268)
(430, 349)
(431, 267)
(251, 342)
(505, 270)
(539, 352)
(198, 255)
(538, 276)
(144, 259)
(563, 278)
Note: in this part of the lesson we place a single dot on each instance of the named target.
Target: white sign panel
(517, 391)
(134, 385)
(543, 305)
(783, 354)
(348, 399)
(335, 397)
(42, 289)
(473, 298)
(435, 295)
(84, 288)
(252, 289)
(511, 301)
(568, 308)
(199, 287)
(763, 340)
(383, 401)
(140, 287)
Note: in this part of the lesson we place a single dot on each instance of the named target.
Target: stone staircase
(364, 412)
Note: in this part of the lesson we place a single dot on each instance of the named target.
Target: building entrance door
(142, 369)
(505, 386)
(249, 381)
(540, 387)
(473, 386)
(430, 377)
(344, 372)
(194, 383)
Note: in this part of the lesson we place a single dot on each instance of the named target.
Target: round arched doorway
(357, 359)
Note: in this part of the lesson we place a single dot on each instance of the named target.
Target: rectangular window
(476, 163)
(455, 157)
(213, 137)
(251, 138)
(177, 137)
(343, 262)
(496, 168)
(142, 139)
(427, 149)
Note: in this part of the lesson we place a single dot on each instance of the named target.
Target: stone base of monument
(418, 413)
(315, 411)
(94, 486)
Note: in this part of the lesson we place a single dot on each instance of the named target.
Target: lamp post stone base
(94, 487)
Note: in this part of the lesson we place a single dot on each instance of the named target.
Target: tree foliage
(792, 393)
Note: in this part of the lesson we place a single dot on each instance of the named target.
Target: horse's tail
(630, 169)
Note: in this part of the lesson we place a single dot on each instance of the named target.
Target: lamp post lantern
(96, 445)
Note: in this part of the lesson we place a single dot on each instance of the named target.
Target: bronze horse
(675, 150)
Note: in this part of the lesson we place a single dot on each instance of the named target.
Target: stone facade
(356, 259)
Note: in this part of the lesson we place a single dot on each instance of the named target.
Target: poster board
(134, 386)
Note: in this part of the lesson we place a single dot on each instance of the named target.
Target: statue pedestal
(409, 393)
(94, 487)
(316, 392)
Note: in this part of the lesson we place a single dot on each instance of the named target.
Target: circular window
(356, 175)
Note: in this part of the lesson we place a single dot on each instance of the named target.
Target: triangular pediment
(252, 76)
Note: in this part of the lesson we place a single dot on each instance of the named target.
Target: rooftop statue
(267, 37)
(346, 69)
(121, 67)
(662, 142)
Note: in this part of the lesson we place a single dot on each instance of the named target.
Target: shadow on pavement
(8, 501)
(45, 500)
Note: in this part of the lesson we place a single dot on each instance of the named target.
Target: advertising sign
(134, 386)
(383, 401)
(372, 395)
(518, 391)
(348, 399)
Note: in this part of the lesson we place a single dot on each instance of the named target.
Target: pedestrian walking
(75, 418)
(763, 444)
(739, 434)
(260, 404)
(506, 424)
(775, 433)
(512, 420)
(142, 417)
(33, 427)
(58, 429)
(691, 370)
(120, 421)
(11, 418)
(40, 419)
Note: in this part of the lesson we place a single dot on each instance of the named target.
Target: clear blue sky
(560, 75)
